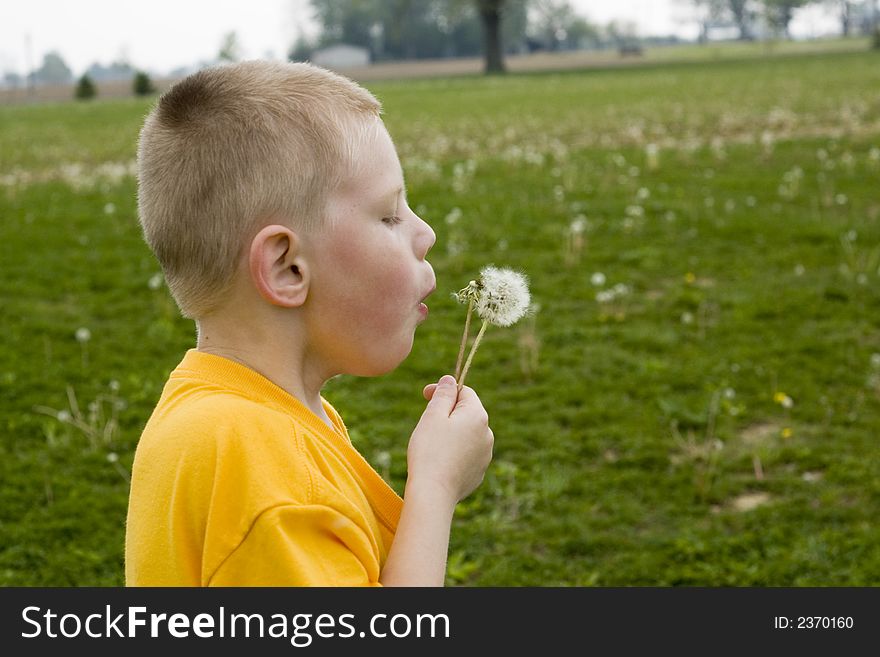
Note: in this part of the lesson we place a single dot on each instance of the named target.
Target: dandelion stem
(470, 357)
(464, 337)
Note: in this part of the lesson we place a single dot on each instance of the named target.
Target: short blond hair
(229, 147)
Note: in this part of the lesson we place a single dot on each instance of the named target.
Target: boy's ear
(278, 268)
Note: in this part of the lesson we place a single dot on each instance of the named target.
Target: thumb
(445, 394)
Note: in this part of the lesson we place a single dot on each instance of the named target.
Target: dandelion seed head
(155, 282)
(112, 457)
(63, 416)
(83, 334)
(597, 279)
(470, 292)
(503, 297)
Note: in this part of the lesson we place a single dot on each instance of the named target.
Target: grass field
(694, 403)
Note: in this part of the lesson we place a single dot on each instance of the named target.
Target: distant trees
(53, 70)
(414, 29)
(142, 85)
(780, 12)
(85, 88)
(775, 15)
(230, 50)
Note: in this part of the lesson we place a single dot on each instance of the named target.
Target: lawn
(694, 401)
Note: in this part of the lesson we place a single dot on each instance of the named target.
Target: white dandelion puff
(597, 279)
(504, 296)
(500, 297)
(83, 334)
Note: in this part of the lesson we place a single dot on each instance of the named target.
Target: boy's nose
(427, 238)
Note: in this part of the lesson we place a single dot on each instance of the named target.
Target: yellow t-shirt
(237, 483)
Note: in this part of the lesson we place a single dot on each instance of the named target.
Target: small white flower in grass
(500, 297)
(83, 334)
(155, 282)
(64, 416)
(597, 279)
(112, 457)
(110, 208)
(652, 154)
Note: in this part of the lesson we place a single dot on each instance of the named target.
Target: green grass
(648, 447)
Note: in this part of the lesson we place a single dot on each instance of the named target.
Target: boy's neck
(286, 370)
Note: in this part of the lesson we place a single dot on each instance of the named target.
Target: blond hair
(230, 147)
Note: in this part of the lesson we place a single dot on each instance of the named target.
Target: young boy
(274, 200)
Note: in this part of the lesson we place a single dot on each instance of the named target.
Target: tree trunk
(490, 13)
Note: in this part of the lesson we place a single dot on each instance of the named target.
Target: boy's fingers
(444, 395)
(428, 392)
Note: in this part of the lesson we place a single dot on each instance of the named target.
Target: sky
(161, 35)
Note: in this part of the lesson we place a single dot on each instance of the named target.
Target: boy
(274, 200)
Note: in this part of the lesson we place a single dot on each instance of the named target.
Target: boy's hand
(451, 446)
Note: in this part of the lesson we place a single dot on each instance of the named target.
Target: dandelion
(155, 282)
(787, 432)
(783, 400)
(652, 155)
(574, 239)
(689, 278)
(453, 216)
(598, 279)
(500, 297)
(109, 208)
(83, 335)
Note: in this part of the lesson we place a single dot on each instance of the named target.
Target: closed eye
(392, 220)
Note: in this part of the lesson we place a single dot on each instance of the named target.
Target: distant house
(341, 56)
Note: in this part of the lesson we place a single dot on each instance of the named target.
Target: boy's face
(369, 273)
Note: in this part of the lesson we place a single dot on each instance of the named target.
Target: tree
(53, 70)
(743, 13)
(558, 26)
(845, 13)
(85, 88)
(490, 14)
(230, 51)
(406, 29)
(780, 12)
(707, 13)
(142, 85)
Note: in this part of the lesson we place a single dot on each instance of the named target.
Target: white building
(341, 56)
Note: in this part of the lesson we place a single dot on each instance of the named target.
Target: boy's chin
(380, 367)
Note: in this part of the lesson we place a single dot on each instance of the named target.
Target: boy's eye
(391, 220)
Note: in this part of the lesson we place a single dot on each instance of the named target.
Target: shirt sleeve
(302, 545)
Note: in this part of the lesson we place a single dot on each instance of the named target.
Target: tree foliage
(85, 88)
(53, 70)
(411, 29)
